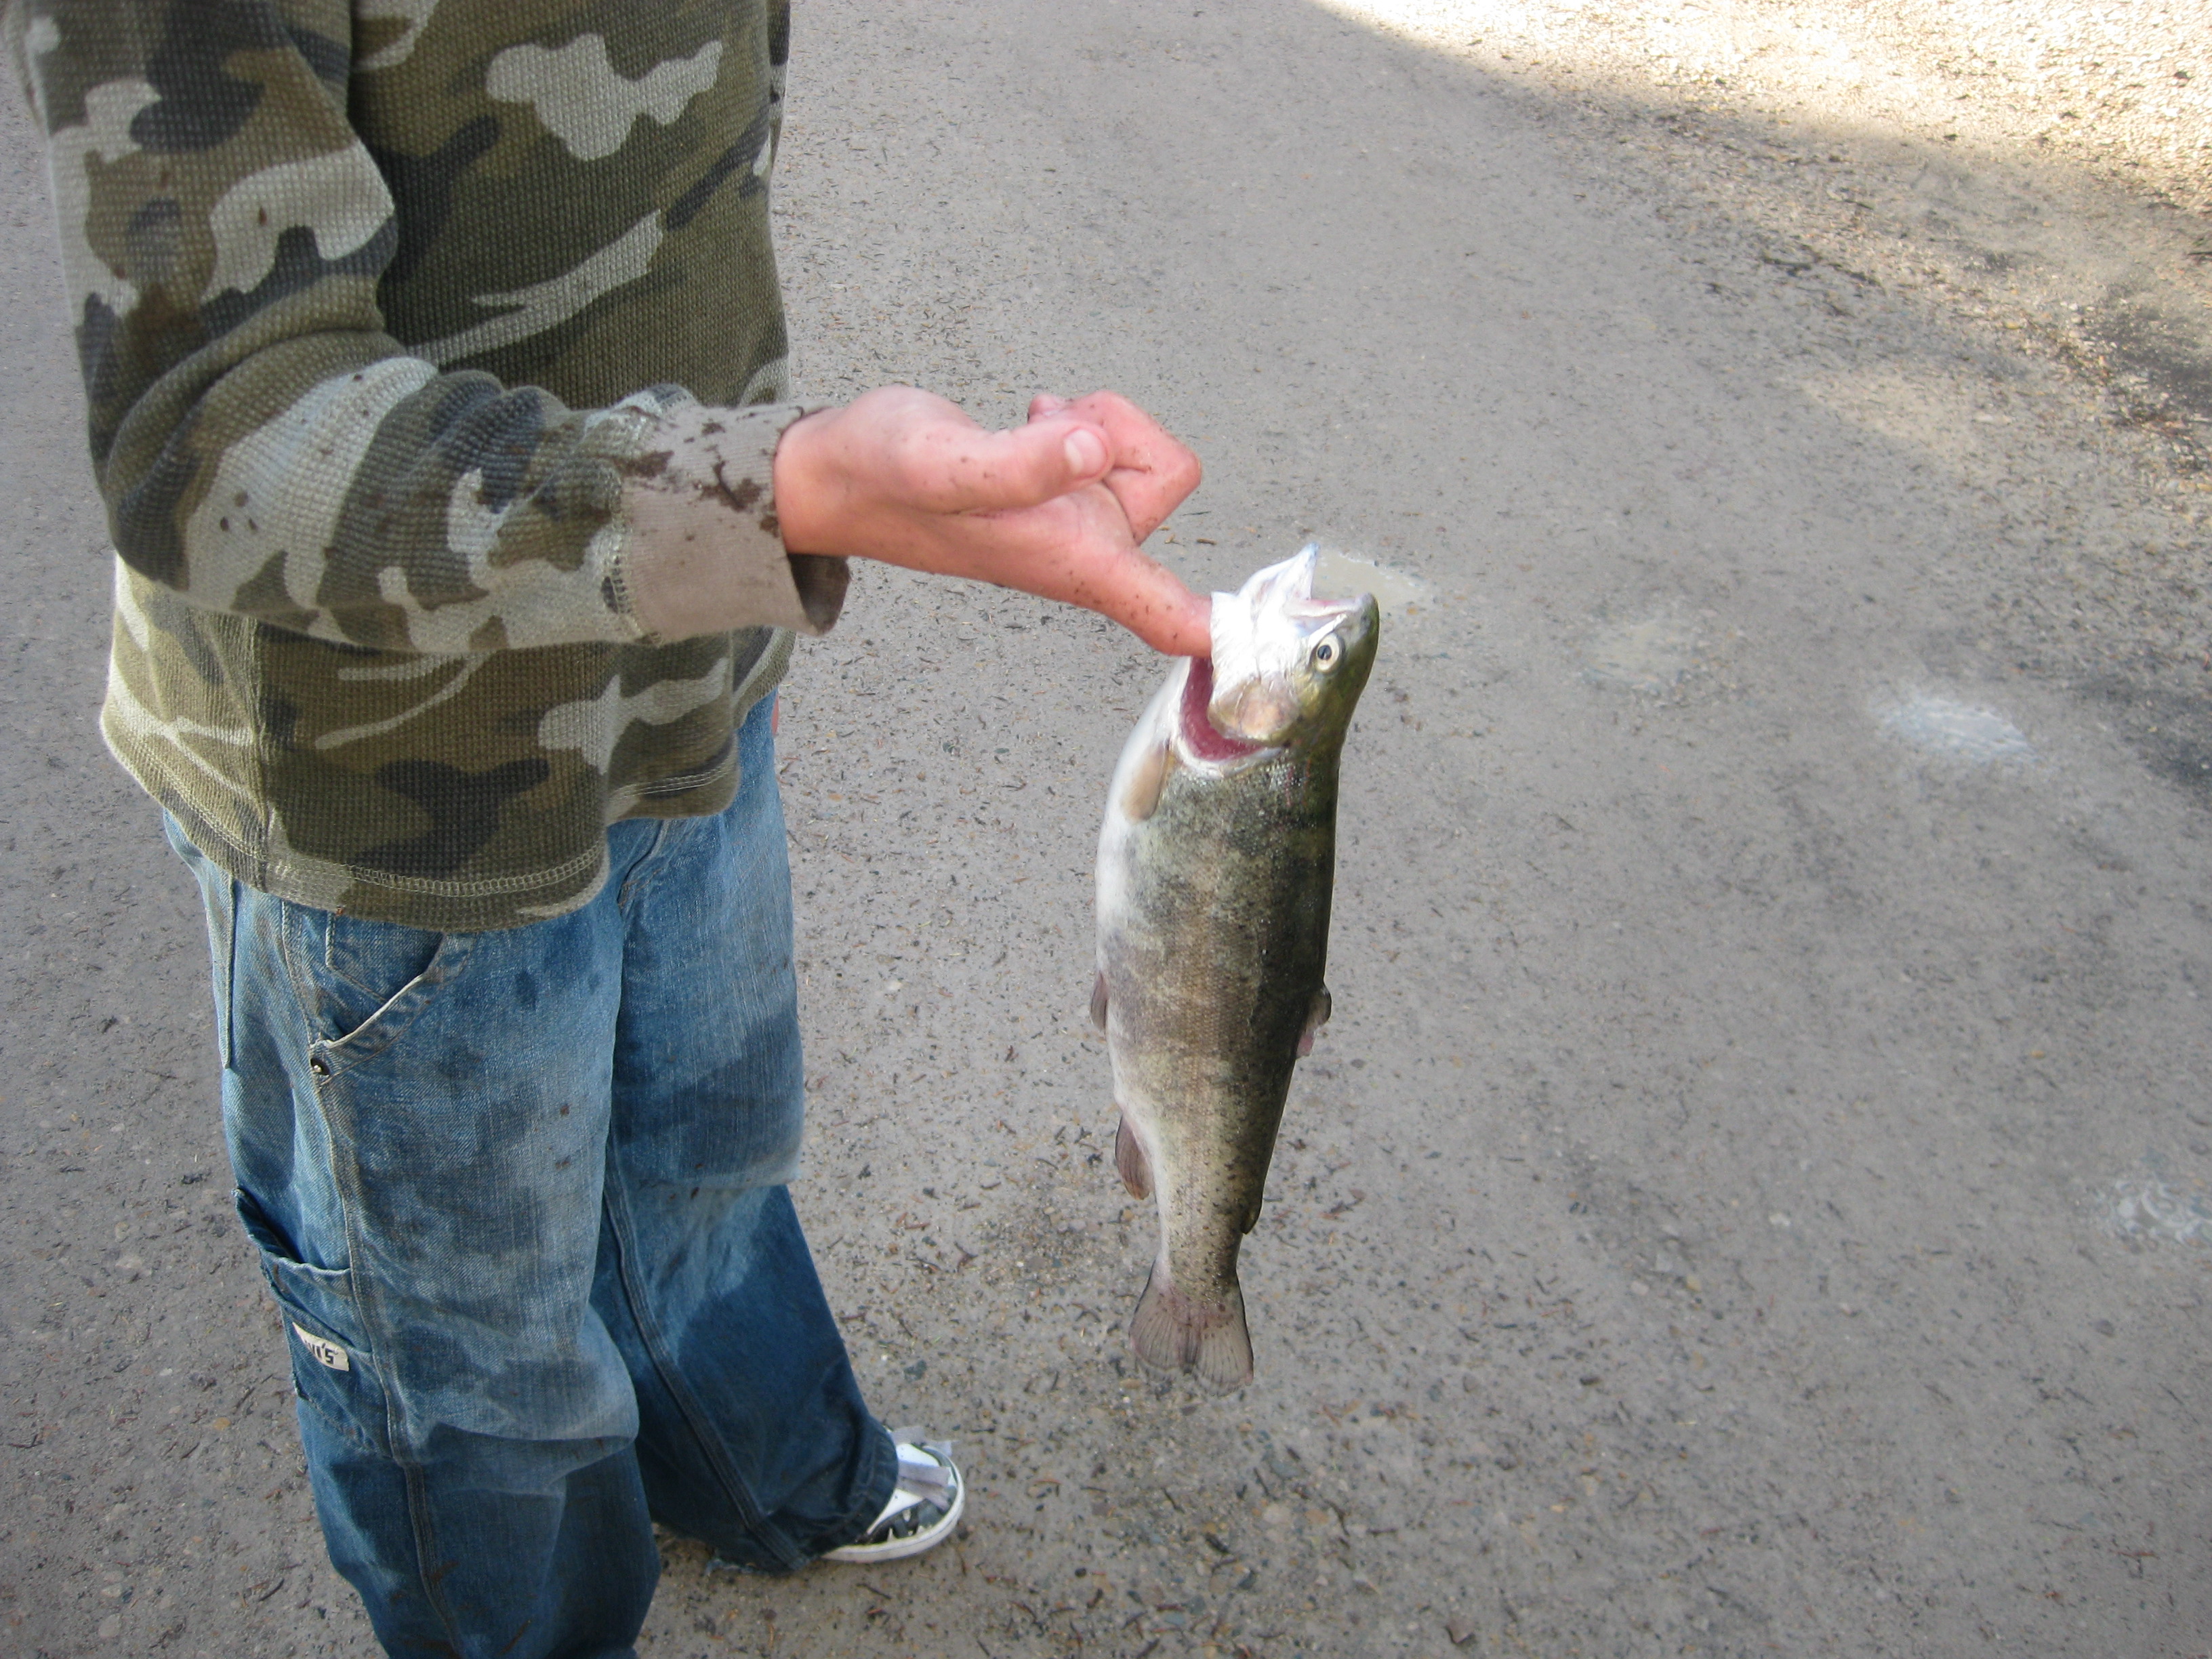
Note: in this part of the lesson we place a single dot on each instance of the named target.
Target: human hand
(1056, 508)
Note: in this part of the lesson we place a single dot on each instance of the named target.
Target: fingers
(1075, 550)
(1153, 473)
(952, 465)
(1085, 451)
(1151, 602)
(896, 459)
(960, 468)
(1080, 546)
(1055, 507)
(1078, 551)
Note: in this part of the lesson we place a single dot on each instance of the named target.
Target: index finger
(1166, 615)
(1150, 600)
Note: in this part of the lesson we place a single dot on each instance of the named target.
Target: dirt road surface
(1753, 1196)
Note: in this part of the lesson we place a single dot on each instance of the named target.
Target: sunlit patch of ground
(1952, 730)
(2043, 170)
(2142, 1209)
(2126, 89)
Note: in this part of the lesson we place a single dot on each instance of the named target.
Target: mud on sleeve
(264, 447)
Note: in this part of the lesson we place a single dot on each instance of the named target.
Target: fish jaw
(1201, 739)
(1287, 668)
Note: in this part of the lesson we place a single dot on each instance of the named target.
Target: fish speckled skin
(1215, 866)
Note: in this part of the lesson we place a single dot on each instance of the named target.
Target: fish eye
(1325, 654)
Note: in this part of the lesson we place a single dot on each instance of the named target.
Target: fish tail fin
(1173, 1333)
(1130, 1162)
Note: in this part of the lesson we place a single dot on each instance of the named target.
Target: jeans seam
(345, 1185)
(419, 1527)
(648, 864)
(228, 1012)
(411, 1468)
(345, 1182)
(695, 1418)
(303, 994)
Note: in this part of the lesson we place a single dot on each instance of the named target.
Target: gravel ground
(1754, 1195)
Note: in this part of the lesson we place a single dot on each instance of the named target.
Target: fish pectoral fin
(1173, 1332)
(1141, 796)
(1316, 1017)
(1098, 1000)
(1135, 1170)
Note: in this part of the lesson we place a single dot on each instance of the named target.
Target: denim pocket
(322, 1330)
(366, 981)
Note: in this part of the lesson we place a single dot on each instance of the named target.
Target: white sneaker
(924, 1508)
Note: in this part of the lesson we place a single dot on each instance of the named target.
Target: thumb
(1084, 449)
(1005, 472)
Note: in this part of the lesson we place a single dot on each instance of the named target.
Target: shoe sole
(898, 1549)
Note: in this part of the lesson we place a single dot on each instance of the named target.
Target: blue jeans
(520, 1197)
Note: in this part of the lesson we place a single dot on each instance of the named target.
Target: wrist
(806, 484)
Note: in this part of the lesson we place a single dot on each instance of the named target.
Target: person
(435, 372)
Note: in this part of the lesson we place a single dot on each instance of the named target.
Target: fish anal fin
(1098, 1000)
(1172, 1331)
(1316, 1017)
(1135, 1170)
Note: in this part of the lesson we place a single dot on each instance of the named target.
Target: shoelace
(924, 1491)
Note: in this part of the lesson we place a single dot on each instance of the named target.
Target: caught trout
(1214, 871)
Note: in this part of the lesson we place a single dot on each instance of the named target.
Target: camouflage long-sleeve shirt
(434, 363)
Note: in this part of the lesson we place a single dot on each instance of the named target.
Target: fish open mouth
(1205, 741)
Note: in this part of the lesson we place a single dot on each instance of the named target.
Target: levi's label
(324, 1349)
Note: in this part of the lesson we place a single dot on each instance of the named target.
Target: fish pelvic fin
(1316, 1017)
(1098, 1000)
(1130, 1162)
(1173, 1333)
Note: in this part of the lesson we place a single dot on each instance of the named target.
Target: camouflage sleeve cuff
(703, 553)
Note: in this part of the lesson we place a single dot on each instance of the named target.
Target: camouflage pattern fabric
(434, 365)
